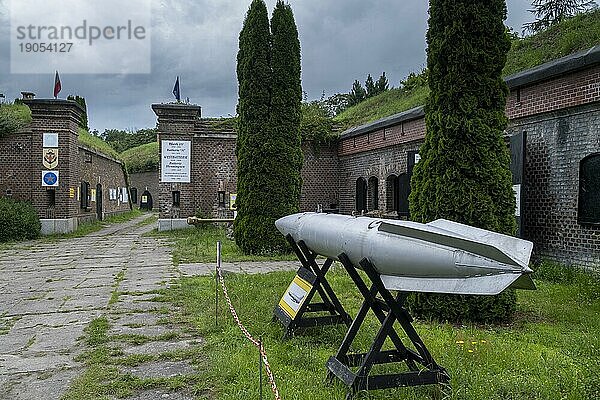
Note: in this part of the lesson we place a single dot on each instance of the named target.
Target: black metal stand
(422, 368)
(312, 272)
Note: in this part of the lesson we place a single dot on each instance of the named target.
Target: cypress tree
(268, 149)
(285, 152)
(382, 84)
(464, 171)
(254, 91)
(357, 94)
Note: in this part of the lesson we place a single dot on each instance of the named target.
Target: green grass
(96, 143)
(141, 158)
(575, 34)
(385, 104)
(199, 245)
(13, 117)
(551, 350)
(570, 36)
(114, 296)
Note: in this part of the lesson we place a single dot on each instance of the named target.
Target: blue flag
(176, 91)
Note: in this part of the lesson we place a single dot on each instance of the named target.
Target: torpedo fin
(479, 285)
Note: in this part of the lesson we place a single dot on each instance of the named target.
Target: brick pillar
(176, 122)
(61, 117)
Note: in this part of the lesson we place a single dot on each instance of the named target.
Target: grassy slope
(13, 117)
(94, 142)
(141, 158)
(550, 351)
(576, 34)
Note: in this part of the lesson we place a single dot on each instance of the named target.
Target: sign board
(232, 200)
(517, 190)
(295, 296)
(50, 140)
(175, 161)
(50, 158)
(50, 178)
(72, 193)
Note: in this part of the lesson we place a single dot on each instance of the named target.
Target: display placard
(295, 296)
(175, 161)
(50, 178)
(50, 140)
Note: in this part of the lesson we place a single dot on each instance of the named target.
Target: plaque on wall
(175, 161)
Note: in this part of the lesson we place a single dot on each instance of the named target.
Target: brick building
(66, 181)
(554, 112)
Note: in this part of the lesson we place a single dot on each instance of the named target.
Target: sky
(197, 40)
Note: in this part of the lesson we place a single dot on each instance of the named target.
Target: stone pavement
(51, 290)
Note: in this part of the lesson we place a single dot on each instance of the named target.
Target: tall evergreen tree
(370, 87)
(464, 171)
(268, 150)
(357, 94)
(284, 150)
(382, 84)
(81, 101)
(254, 79)
(550, 12)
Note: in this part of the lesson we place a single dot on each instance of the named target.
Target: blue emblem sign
(50, 178)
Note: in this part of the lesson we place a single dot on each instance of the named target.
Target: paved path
(49, 291)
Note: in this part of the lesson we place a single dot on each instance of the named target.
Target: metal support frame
(422, 368)
(314, 273)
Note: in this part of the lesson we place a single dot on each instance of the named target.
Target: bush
(459, 308)
(13, 117)
(18, 220)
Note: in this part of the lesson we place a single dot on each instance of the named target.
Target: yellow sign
(294, 296)
(93, 195)
(72, 193)
(232, 199)
(50, 158)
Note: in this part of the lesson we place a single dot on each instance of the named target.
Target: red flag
(57, 86)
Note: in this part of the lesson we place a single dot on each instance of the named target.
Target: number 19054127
(35, 47)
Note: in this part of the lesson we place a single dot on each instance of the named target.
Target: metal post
(260, 364)
(217, 269)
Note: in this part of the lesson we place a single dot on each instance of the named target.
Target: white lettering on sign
(175, 161)
(517, 190)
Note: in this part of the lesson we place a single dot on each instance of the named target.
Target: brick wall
(320, 177)
(380, 164)
(556, 143)
(103, 173)
(142, 181)
(16, 169)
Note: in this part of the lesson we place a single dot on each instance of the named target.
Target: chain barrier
(247, 334)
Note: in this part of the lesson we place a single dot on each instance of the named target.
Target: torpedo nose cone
(288, 224)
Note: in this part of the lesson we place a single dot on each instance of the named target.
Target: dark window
(9, 192)
(133, 195)
(85, 195)
(373, 190)
(51, 197)
(176, 198)
(589, 190)
(391, 193)
(361, 194)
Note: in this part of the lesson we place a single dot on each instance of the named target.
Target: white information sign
(175, 161)
(50, 140)
(517, 190)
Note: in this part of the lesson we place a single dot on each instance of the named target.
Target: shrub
(18, 220)
(13, 117)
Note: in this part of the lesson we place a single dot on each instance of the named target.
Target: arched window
(403, 192)
(391, 193)
(373, 196)
(361, 194)
(589, 190)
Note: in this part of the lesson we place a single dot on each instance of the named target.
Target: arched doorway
(403, 192)
(361, 195)
(146, 201)
(391, 193)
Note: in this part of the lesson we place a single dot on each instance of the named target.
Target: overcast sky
(342, 40)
